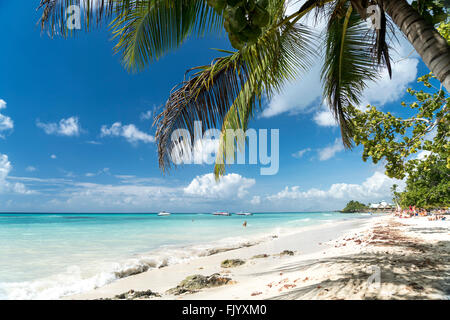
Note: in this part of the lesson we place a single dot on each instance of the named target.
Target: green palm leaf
(278, 57)
(349, 64)
(148, 30)
(145, 29)
(54, 13)
(226, 93)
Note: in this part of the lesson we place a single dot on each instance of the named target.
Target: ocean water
(48, 256)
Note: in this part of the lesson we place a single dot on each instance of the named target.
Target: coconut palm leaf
(348, 65)
(145, 29)
(226, 93)
(54, 13)
(380, 47)
(205, 96)
(148, 31)
(293, 48)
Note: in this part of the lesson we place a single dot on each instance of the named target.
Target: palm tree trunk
(429, 44)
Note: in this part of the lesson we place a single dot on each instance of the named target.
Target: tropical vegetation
(416, 148)
(272, 47)
(354, 206)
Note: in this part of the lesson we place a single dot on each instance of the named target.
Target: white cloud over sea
(229, 186)
(233, 192)
(7, 186)
(375, 188)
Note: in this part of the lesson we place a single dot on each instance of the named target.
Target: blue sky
(57, 95)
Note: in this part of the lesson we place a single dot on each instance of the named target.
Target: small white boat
(221, 213)
(244, 213)
(164, 213)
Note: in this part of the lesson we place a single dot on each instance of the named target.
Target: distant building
(381, 205)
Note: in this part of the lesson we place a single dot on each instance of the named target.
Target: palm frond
(147, 31)
(54, 13)
(291, 46)
(206, 97)
(380, 46)
(227, 93)
(348, 65)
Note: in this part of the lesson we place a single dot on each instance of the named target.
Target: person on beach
(244, 224)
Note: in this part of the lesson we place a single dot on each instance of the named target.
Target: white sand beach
(329, 261)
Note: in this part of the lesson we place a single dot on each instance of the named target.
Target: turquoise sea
(47, 256)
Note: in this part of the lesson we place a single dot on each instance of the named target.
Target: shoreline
(330, 261)
(100, 268)
(303, 241)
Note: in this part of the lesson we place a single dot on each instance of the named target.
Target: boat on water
(164, 213)
(244, 213)
(221, 213)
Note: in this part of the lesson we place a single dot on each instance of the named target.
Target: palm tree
(228, 92)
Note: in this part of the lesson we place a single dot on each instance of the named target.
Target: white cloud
(373, 188)
(66, 127)
(53, 156)
(129, 132)
(329, 152)
(255, 200)
(30, 169)
(99, 172)
(6, 123)
(325, 118)
(119, 196)
(93, 142)
(301, 153)
(230, 185)
(147, 115)
(386, 90)
(423, 154)
(5, 185)
(5, 166)
(144, 194)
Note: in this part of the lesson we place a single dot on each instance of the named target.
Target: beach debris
(214, 251)
(197, 282)
(133, 271)
(287, 253)
(286, 286)
(260, 256)
(231, 263)
(415, 286)
(256, 293)
(164, 263)
(131, 295)
(289, 286)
